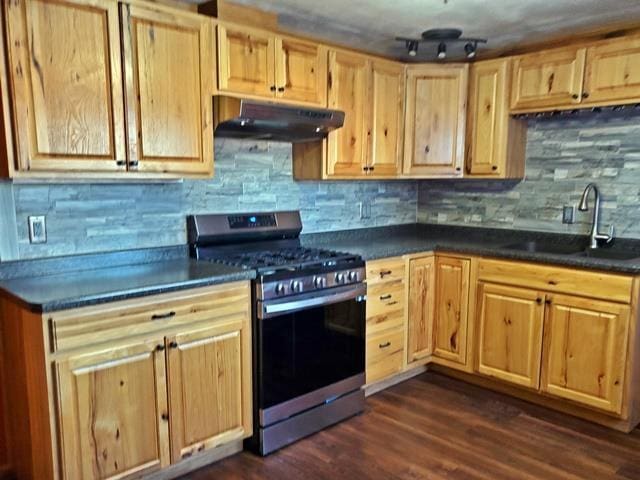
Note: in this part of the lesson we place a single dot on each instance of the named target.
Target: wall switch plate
(37, 229)
(365, 210)
(569, 214)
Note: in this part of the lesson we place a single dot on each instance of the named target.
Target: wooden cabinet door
(451, 307)
(348, 86)
(301, 71)
(168, 59)
(548, 79)
(246, 62)
(387, 117)
(585, 351)
(435, 120)
(613, 72)
(66, 80)
(488, 118)
(510, 322)
(209, 386)
(422, 288)
(112, 410)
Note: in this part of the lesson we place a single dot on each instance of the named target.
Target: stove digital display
(251, 221)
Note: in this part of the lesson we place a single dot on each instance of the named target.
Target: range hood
(242, 118)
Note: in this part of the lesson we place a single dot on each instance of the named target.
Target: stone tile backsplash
(563, 155)
(249, 176)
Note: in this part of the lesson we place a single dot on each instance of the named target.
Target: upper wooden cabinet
(66, 79)
(612, 73)
(169, 82)
(510, 322)
(258, 63)
(451, 308)
(496, 141)
(548, 79)
(435, 120)
(68, 62)
(585, 352)
(422, 295)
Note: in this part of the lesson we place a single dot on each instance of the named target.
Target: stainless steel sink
(546, 247)
(610, 254)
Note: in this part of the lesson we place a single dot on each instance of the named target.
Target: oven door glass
(309, 349)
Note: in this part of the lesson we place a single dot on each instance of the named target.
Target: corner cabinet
(258, 63)
(67, 64)
(422, 288)
(435, 120)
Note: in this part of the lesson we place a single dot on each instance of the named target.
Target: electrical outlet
(569, 214)
(365, 210)
(37, 229)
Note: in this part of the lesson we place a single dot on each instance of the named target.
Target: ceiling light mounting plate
(442, 34)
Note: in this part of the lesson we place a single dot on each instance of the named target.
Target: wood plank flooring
(434, 427)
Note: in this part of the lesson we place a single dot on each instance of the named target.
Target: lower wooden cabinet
(385, 352)
(585, 351)
(209, 373)
(451, 308)
(422, 287)
(510, 324)
(112, 406)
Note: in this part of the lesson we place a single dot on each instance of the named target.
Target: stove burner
(290, 258)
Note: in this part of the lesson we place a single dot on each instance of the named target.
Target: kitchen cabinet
(129, 388)
(548, 79)
(585, 351)
(451, 308)
(168, 81)
(496, 142)
(113, 413)
(510, 322)
(422, 282)
(72, 117)
(209, 381)
(612, 74)
(258, 63)
(435, 120)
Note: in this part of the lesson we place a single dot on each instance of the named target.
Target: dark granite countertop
(79, 287)
(381, 242)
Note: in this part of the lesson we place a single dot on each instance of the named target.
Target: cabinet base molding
(622, 425)
(394, 380)
(198, 461)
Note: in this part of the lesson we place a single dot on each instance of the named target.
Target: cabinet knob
(585, 95)
(173, 344)
(458, 169)
(494, 167)
(427, 149)
(539, 301)
(575, 96)
(160, 347)
(165, 417)
(133, 163)
(121, 163)
(272, 88)
(281, 89)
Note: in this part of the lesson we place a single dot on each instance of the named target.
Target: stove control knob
(353, 276)
(280, 289)
(296, 286)
(319, 282)
(340, 278)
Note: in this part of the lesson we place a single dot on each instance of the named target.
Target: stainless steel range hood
(242, 118)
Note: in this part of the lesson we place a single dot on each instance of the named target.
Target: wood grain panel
(210, 386)
(384, 352)
(385, 306)
(169, 61)
(65, 71)
(435, 120)
(385, 270)
(510, 322)
(451, 309)
(422, 296)
(301, 71)
(588, 283)
(585, 353)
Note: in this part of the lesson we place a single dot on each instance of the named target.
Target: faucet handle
(607, 238)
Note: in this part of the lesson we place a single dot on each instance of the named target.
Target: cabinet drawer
(585, 283)
(384, 354)
(385, 306)
(96, 324)
(384, 270)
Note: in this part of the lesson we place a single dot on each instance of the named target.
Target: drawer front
(384, 270)
(384, 354)
(101, 323)
(585, 283)
(385, 306)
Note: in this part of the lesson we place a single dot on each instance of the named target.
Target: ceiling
(372, 25)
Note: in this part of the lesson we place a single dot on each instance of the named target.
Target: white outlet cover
(37, 229)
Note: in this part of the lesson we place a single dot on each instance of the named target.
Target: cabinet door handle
(494, 167)
(385, 273)
(458, 169)
(548, 301)
(165, 417)
(385, 297)
(539, 301)
(392, 303)
(281, 89)
(427, 149)
(575, 96)
(163, 316)
(160, 348)
(272, 88)
(173, 344)
(585, 95)
(133, 163)
(121, 163)
(384, 345)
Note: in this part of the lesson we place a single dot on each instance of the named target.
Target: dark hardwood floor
(433, 427)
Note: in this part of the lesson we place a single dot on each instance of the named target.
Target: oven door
(310, 350)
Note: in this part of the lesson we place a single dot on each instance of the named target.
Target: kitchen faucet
(594, 236)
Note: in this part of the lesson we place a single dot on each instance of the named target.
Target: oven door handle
(272, 309)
